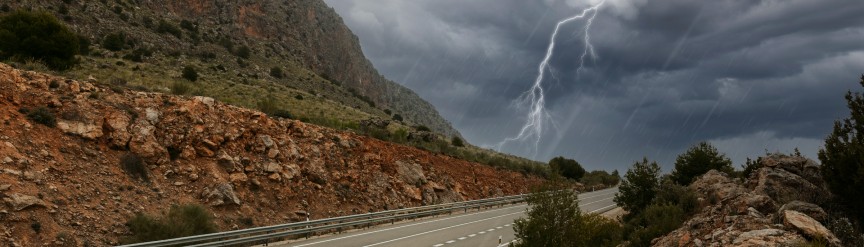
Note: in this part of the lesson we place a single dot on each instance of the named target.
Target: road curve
(483, 228)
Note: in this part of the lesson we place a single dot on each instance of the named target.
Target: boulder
(411, 173)
(85, 130)
(810, 209)
(716, 185)
(222, 194)
(20, 202)
(809, 226)
(116, 124)
(784, 186)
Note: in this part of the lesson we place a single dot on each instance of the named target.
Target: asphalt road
(483, 228)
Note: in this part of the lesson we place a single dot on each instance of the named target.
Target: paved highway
(472, 229)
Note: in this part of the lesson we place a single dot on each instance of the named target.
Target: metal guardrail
(260, 234)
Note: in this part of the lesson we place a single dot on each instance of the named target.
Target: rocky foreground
(65, 185)
(775, 206)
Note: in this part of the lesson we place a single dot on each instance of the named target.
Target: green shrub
(751, 166)
(600, 177)
(189, 73)
(276, 72)
(28, 35)
(134, 166)
(553, 218)
(41, 115)
(243, 52)
(167, 27)
(180, 221)
(698, 160)
(114, 41)
(188, 25)
(283, 114)
(83, 45)
(422, 128)
(639, 187)
(397, 117)
(456, 141)
(655, 221)
(842, 163)
(670, 193)
(567, 168)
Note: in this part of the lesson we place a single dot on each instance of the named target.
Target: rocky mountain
(242, 49)
(78, 159)
(778, 205)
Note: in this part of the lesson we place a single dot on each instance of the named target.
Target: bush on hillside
(600, 178)
(554, 219)
(567, 168)
(276, 72)
(397, 117)
(167, 27)
(750, 166)
(456, 141)
(26, 35)
(639, 186)
(655, 221)
(842, 163)
(41, 115)
(180, 221)
(114, 41)
(189, 73)
(243, 52)
(698, 160)
(134, 166)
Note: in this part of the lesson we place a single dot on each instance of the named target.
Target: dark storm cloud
(746, 75)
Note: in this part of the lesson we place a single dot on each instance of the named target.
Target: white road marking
(462, 238)
(499, 227)
(483, 232)
(409, 225)
(450, 242)
(471, 235)
(437, 245)
(440, 229)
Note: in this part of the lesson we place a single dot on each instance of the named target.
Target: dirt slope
(244, 166)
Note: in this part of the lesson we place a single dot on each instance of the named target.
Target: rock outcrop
(775, 206)
(243, 165)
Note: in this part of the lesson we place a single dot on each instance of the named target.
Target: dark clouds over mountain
(745, 75)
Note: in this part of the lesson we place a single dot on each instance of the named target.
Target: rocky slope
(67, 186)
(306, 38)
(778, 205)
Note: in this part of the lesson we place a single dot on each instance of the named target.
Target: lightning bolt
(532, 130)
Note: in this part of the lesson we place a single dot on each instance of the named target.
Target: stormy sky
(746, 75)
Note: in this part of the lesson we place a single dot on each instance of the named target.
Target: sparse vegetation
(180, 221)
(698, 160)
(180, 88)
(41, 115)
(842, 166)
(600, 179)
(26, 35)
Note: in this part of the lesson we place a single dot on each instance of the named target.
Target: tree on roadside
(554, 219)
(639, 186)
(698, 160)
(843, 156)
(567, 168)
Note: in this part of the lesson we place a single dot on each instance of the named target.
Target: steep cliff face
(79, 179)
(303, 35)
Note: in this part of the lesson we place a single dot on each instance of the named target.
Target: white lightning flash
(535, 98)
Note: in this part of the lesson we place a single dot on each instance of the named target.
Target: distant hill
(299, 53)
